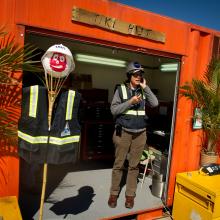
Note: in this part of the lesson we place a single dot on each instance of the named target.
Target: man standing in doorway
(128, 109)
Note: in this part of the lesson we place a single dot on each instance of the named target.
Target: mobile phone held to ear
(142, 80)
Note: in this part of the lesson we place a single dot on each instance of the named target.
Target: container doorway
(96, 83)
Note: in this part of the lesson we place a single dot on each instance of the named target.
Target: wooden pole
(54, 86)
(51, 100)
(43, 191)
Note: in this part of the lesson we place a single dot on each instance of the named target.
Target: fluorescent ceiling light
(169, 67)
(100, 60)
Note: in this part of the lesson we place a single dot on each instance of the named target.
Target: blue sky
(205, 13)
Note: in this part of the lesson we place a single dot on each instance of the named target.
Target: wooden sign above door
(113, 24)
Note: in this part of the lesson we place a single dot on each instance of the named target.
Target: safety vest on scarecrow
(36, 142)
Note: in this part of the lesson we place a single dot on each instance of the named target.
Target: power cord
(166, 210)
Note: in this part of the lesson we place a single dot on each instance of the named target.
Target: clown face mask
(58, 61)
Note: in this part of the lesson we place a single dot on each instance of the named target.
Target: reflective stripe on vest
(125, 96)
(66, 140)
(44, 139)
(33, 140)
(124, 92)
(33, 101)
(134, 112)
(144, 97)
(70, 102)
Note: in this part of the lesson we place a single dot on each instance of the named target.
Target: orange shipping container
(191, 45)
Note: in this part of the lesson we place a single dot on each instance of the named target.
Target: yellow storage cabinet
(9, 209)
(197, 197)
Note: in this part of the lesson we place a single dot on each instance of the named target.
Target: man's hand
(135, 99)
(143, 84)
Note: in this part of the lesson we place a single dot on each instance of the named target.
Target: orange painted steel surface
(150, 214)
(186, 145)
(190, 42)
(44, 14)
(9, 161)
(147, 214)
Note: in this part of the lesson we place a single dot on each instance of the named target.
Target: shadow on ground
(75, 205)
(31, 183)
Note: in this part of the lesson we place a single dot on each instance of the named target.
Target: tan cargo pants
(132, 143)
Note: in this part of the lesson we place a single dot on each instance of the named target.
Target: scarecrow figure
(49, 135)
